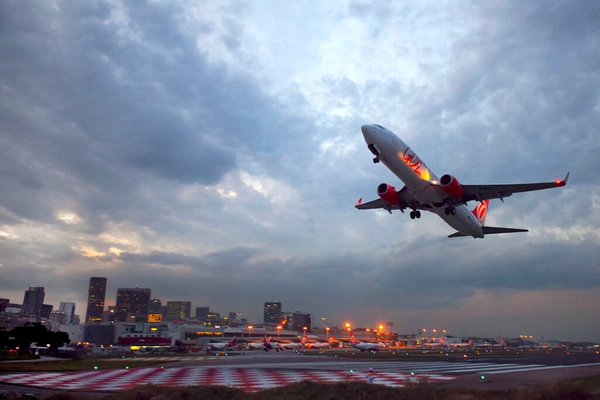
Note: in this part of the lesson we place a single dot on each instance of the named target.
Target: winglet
(358, 203)
(564, 181)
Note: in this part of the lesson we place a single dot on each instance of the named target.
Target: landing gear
(450, 210)
(415, 214)
(376, 160)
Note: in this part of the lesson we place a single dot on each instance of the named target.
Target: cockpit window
(379, 126)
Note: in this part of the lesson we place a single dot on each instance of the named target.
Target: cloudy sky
(212, 152)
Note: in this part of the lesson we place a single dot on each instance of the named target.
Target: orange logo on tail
(481, 210)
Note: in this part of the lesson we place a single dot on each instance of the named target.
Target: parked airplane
(439, 343)
(460, 344)
(364, 346)
(255, 345)
(268, 345)
(445, 197)
(221, 346)
(320, 345)
(294, 345)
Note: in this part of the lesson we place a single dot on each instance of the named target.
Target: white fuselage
(292, 346)
(409, 168)
(367, 346)
(219, 346)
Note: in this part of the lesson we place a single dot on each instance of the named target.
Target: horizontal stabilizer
(491, 230)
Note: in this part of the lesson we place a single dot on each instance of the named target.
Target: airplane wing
(406, 201)
(377, 203)
(487, 192)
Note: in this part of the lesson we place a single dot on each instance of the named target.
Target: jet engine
(388, 194)
(451, 186)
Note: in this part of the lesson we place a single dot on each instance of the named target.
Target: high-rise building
(232, 317)
(33, 301)
(214, 317)
(132, 301)
(58, 316)
(154, 305)
(46, 310)
(96, 298)
(300, 321)
(156, 312)
(110, 314)
(177, 310)
(202, 312)
(68, 309)
(272, 313)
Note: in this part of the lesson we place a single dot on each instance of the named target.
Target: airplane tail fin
(480, 211)
(352, 339)
(303, 341)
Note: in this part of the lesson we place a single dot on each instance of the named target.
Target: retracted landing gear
(415, 214)
(450, 210)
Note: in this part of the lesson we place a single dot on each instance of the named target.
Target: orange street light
(278, 330)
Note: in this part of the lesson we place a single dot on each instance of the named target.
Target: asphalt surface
(500, 372)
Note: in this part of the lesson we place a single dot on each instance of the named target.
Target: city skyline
(212, 152)
(299, 319)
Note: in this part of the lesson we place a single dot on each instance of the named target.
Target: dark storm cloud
(395, 278)
(117, 98)
(145, 123)
(159, 257)
(218, 260)
(526, 266)
(533, 76)
(96, 108)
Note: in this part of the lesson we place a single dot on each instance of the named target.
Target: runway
(257, 373)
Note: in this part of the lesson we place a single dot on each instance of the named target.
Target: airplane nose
(367, 131)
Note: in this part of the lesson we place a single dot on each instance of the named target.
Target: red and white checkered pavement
(248, 379)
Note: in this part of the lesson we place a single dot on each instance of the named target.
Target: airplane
(445, 197)
(294, 345)
(461, 344)
(221, 346)
(363, 346)
(255, 345)
(441, 343)
(320, 345)
(268, 345)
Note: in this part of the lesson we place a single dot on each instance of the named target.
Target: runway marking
(244, 378)
(549, 367)
(253, 377)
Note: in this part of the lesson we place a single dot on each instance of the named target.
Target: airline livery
(221, 346)
(445, 197)
(363, 346)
